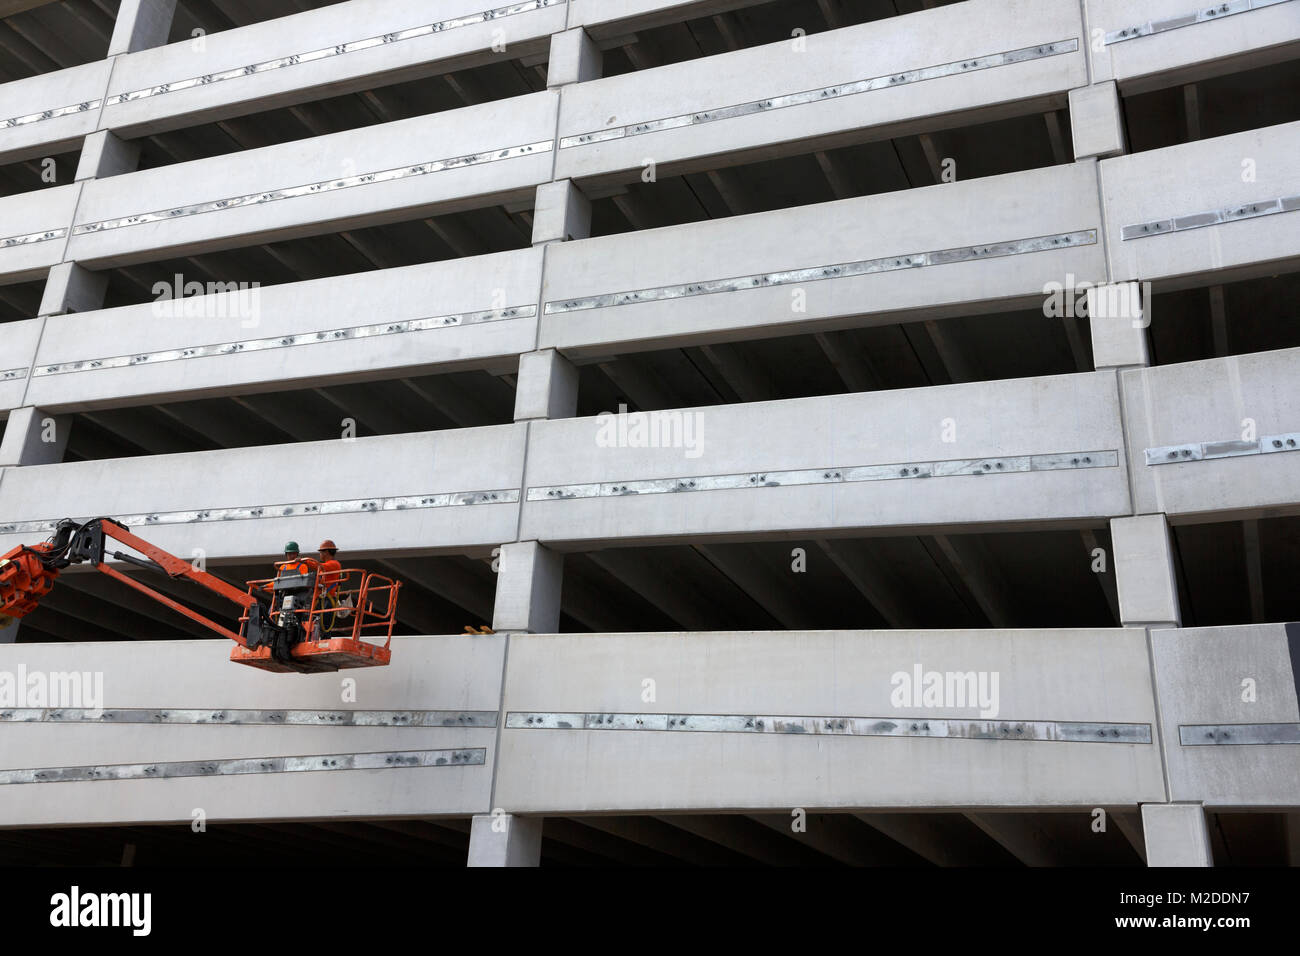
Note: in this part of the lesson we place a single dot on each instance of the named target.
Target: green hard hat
(291, 547)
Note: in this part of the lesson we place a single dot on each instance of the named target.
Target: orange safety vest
(331, 573)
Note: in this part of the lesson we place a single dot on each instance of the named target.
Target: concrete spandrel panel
(1229, 712)
(34, 231)
(985, 243)
(1151, 44)
(603, 18)
(985, 58)
(17, 348)
(413, 320)
(430, 491)
(1183, 213)
(327, 51)
(1028, 450)
(1219, 437)
(190, 730)
(823, 719)
(444, 162)
(50, 113)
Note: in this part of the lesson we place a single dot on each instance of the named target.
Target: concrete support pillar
(1118, 318)
(1096, 124)
(33, 437)
(529, 582)
(575, 58)
(9, 632)
(505, 840)
(1144, 572)
(547, 386)
(141, 25)
(561, 213)
(104, 154)
(1176, 835)
(70, 288)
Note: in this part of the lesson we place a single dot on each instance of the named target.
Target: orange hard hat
(327, 545)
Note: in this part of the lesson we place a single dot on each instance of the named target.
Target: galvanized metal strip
(1229, 735)
(342, 49)
(57, 113)
(278, 718)
(822, 94)
(1213, 217)
(349, 506)
(1232, 448)
(324, 336)
(312, 189)
(12, 374)
(841, 270)
(1041, 730)
(391, 760)
(1215, 11)
(823, 476)
(31, 238)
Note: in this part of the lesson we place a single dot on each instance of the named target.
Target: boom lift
(287, 623)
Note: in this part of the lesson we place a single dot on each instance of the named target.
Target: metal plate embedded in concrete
(1204, 15)
(1220, 735)
(350, 506)
(1212, 217)
(1203, 451)
(283, 718)
(469, 757)
(29, 118)
(834, 475)
(1041, 730)
(32, 237)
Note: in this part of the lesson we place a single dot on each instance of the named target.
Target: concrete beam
(743, 836)
(505, 840)
(837, 836)
(1144, 571)
(1020, 835)
(927, 837)
(1176, 835)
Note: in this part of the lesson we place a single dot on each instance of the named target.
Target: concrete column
(547, 386)
(575, 58)
(529, 582)
(33, 437)
(1144, 572)
(560, 213)
(141, 25)
(70, 288)
(9, 632)
(1118, 319)
(105, 154)
(1176, 835)
(1096, 124)
(505, 840)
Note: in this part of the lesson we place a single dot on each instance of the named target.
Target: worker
(293, 563)
(329, 583)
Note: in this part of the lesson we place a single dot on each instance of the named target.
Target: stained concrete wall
(983, 475)
(149, 685)
(1231, 722)
(1230, 405)
(1062, 675)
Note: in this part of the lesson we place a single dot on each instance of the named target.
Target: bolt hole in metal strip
(1214, 217)
(1208, 450)
(32, 237)
(342, 49)
(1220, 735)
(841, 270)
(1215, 11)
(312, 189)
(468, 757)
(289, 341)
(351, 506)
(1042, 730)
(29, 118)
(279, 718)
(824, 93)
(822, 476)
